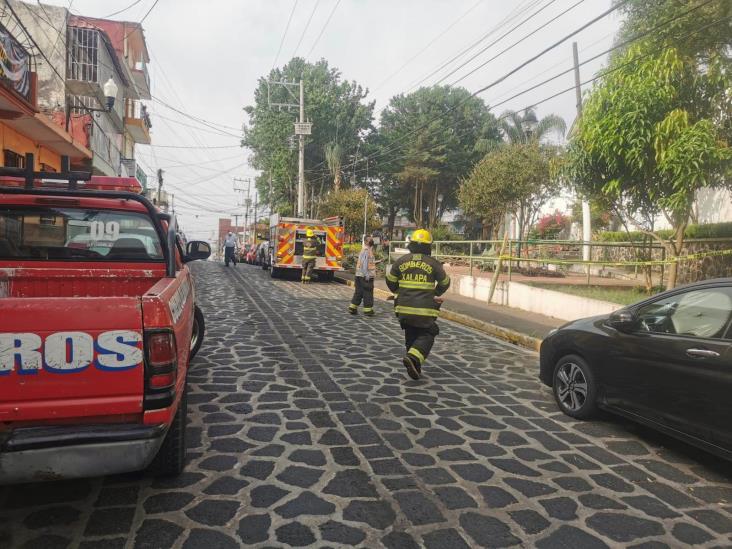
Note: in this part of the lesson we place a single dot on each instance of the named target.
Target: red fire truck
(98, 323)
(287, 235)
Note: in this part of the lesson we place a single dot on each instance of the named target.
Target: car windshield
(47, 233)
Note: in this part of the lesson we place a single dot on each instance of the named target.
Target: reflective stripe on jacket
(310, 248)
(417, 279)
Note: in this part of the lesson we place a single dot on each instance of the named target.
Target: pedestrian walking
(309, 255)
(230, 249)
(364, 281)
(418, 280)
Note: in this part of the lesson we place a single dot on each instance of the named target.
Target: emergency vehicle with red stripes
(98, 324)
(287, 235)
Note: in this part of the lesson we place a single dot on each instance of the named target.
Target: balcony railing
(137, 121)
(133, 169)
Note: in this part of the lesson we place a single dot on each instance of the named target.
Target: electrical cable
(307, 25)
(213, 125)
(504, 35)
(424, 48)
(322, 30)
(541, 27)
(603, 74)
(122, 10)
(284, 34)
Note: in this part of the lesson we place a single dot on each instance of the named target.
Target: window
(12, 159)
(77, 234)
(698, 313)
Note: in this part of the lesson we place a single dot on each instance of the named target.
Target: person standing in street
(418, 279)
(230, 249)
(309, 255)
(364, 281)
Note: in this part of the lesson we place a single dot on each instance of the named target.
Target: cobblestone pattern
(304, 430)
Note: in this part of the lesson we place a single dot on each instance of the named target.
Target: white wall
(535, 300)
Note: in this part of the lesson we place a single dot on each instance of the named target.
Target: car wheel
(199, 329)
(171, 457)
(575, 388)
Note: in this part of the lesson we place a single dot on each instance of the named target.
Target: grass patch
(621, 296)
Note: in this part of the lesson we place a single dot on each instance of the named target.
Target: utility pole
(301, 158)
(243, 190)
(586, 215)
(302, 128)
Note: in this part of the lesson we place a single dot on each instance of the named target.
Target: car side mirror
(623, 320)
(197, 249)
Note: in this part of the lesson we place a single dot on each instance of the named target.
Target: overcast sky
(207, 57)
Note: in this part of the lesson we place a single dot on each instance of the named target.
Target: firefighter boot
(353, 309)
(411, 363)
(368, 311)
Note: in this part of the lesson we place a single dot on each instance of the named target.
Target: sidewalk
(513, 325)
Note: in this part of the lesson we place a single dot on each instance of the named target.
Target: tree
(349, 203)
(515, 126)
(512, 178)
(651, 136)
(340, 117)
(426, 144)
(334, 159)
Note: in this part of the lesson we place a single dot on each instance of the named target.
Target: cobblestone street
(304, 430)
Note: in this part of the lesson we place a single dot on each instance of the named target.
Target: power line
(220, 133)
(528, 4)
(122, 10)
(599, 76)
(525, 37)
(213, 125)
(198, 146)
(322, 30)
(502, 78)
(284, 34)
(512, 29)
(307, 25)
(435, 39)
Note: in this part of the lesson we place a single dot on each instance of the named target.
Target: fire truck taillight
(161, 368)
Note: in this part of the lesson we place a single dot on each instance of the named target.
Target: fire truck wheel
(171, 457)
(275, 272)
(199, 329)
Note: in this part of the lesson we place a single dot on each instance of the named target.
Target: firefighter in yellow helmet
(309, 255)
(418, 280)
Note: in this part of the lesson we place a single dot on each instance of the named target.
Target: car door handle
(702, 353)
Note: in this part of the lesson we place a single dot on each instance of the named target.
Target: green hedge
(710, 230)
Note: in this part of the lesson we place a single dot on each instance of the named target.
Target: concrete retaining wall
(536, 300)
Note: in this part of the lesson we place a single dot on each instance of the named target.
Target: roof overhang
(45, 133)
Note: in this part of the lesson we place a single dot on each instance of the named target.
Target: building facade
(24, 128)
(79, 56)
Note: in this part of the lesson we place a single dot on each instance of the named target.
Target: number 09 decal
(105, 231)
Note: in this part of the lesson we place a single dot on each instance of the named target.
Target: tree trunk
(337, 181)
(677, 245)
(391, 220)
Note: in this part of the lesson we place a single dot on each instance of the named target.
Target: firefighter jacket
(309, 249)
(417, 279)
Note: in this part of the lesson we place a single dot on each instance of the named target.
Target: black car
(665, 362)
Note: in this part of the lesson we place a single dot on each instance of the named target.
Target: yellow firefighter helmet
(309, 233)
(421, 236)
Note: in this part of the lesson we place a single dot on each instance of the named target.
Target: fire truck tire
(275, 272)
(171, 457)
(199, 329)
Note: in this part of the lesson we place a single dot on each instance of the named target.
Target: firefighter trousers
(308, 265)
(364, 291)
(419, 340)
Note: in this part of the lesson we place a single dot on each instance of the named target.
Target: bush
(708, 230)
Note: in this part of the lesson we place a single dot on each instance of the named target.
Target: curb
(505, 334)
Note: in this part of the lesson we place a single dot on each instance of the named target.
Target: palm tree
(334, 159)
(525, 127)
